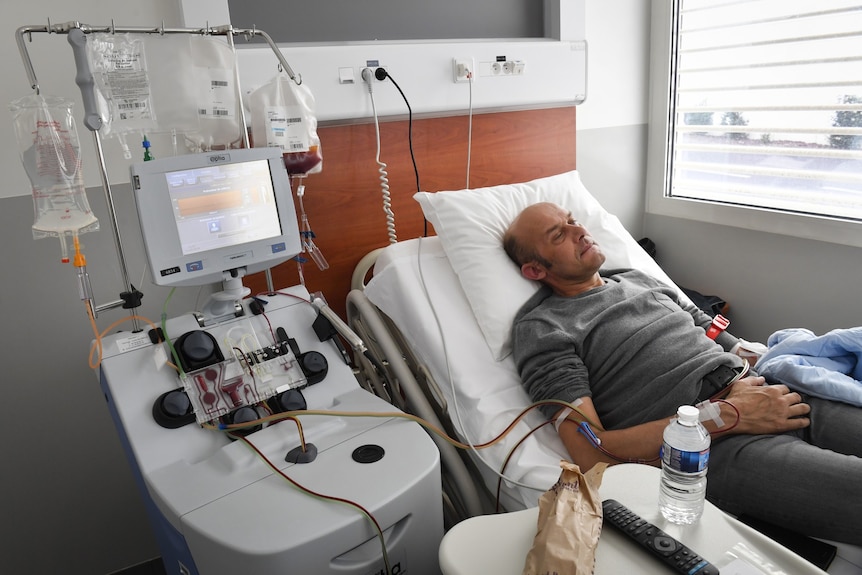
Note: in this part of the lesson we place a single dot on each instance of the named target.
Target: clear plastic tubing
(685, 457)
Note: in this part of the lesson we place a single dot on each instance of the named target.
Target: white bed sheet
(423, 297)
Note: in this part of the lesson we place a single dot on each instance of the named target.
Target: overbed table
(499, 543)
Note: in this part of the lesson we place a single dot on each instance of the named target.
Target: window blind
(767, 105)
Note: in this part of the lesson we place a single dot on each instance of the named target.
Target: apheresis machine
(253, 445)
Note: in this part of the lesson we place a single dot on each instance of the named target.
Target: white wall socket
(461, 67)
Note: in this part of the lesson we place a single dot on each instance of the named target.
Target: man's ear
(533, 271)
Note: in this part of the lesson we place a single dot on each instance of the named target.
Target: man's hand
(765, 408)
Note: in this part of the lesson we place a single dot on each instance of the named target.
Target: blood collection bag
(49, 148)
(282, 116)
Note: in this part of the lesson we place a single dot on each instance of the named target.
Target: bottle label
(684, 461)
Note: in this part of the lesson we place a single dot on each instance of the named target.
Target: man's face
(568, 254)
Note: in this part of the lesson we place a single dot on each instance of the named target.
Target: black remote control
(672, 552)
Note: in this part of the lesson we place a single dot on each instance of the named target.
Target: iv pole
(76, 33)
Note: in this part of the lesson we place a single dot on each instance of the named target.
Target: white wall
(612, 121)
(553, 72)
(617, 72)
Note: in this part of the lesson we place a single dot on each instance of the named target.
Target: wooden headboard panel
(344, 202)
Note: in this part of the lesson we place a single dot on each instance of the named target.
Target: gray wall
(348, 20)
(68, 499)
(771, 281)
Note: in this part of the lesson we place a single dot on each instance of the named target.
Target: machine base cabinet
(215, 504)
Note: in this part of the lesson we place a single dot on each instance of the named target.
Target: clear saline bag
(119, 66)
(49, 148)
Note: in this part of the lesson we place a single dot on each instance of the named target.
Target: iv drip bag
(50, 151)
(135, 95)
(214, 84)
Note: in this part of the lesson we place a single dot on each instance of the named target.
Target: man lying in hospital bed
(464, 274)
(640, 354)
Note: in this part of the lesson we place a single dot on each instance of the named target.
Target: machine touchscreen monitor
(215, 217)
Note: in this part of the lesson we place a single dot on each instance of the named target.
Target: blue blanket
(827, 366)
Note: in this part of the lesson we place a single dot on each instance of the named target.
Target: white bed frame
(408, 385)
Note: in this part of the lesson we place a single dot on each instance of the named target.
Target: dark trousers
(808, 480)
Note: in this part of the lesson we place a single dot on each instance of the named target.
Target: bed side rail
(399, 386)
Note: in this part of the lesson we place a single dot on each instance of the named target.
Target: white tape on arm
(565, 413)
(562, 417)
(710, 411)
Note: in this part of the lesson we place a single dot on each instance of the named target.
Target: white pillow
(471, 223)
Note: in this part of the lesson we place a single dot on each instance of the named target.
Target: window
(763, 105)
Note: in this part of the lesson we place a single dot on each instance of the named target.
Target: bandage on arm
(750, 350)
(565, 413)
(710, 411)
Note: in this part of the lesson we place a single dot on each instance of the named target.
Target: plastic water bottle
(684, 459)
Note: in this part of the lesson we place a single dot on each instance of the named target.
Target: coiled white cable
(368, 77)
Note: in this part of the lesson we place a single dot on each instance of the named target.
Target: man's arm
(639, 443)
(750, 407)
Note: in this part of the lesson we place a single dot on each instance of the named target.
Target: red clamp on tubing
(719, 324)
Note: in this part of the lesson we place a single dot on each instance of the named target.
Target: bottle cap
(688, 414)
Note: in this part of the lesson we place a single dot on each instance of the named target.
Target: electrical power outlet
(500, 67)
(462, 69)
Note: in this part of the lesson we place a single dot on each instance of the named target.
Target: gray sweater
(631, 345)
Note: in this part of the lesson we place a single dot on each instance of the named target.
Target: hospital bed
(437, 313)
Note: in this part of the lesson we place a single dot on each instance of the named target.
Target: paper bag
(569, 525)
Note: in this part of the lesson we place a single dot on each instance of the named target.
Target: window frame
(658, 161)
